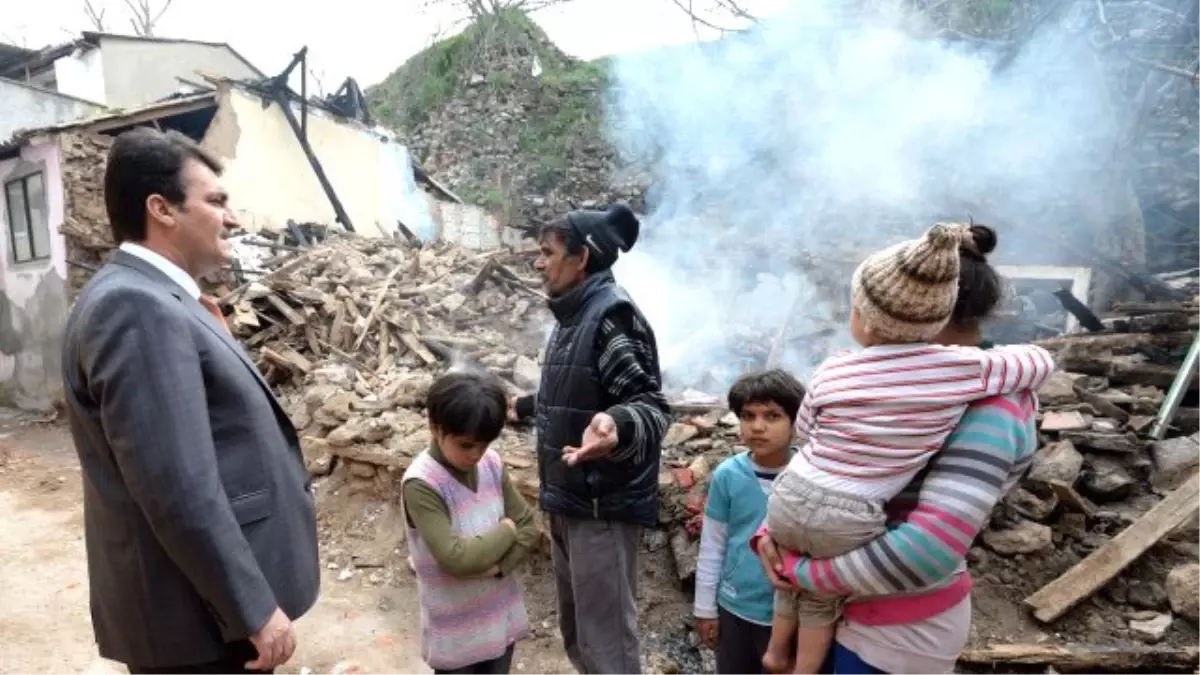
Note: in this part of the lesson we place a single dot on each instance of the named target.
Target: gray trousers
(595, 570)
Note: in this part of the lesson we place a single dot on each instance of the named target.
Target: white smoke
(810, 133)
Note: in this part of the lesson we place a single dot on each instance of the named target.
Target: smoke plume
(778, 157)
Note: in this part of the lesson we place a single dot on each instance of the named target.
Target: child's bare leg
(778, 658)
(812, 645)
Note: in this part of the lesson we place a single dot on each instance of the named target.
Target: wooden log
(287, 358)
(1118, 369)
(1119, 343)
(1067, 495)
(1099, 440)
(695, 408)
(1102, 405)
(414, 343)
(288, 312)
(1083, 658)
(476, 283)
(1056, 598)
(301, 259)
(379, 298)
(1138, 308)
(1158, 323)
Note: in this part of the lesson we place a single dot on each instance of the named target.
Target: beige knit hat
(907, 292)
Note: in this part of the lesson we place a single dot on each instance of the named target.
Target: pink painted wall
(33, 304)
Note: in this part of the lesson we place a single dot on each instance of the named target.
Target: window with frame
(28, 229)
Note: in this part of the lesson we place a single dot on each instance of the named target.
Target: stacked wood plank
(353, 331)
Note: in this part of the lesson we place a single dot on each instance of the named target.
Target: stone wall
(85, 221)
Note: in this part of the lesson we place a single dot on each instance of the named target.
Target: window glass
(39, 225)
(18, 224)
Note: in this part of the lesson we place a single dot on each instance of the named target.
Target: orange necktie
(211, 305)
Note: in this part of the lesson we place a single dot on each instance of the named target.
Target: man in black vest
(601, 417)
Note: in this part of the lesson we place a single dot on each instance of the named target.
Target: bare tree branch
(15, 39)
(96, 18)
(145, 18)
(730, 10)
(697, 20)
(476, 9)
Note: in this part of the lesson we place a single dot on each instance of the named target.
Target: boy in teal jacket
(734, 600)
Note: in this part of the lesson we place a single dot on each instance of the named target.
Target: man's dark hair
(767, 386)
(468, 404)
(561, 230)
(144, 162)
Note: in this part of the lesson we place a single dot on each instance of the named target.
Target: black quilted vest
(569, 395)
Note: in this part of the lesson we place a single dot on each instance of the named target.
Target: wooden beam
(1083, 658)
(148, 115)
(1055, 598)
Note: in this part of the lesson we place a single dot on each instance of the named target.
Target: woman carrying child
(919, 564)
(873, 418)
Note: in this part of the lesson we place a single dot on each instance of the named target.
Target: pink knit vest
(464, 621)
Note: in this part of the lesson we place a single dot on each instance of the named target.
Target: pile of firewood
(384, 307)
(353, 331)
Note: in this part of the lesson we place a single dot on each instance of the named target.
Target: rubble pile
(354, 331)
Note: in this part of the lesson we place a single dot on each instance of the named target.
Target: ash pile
(353, 331)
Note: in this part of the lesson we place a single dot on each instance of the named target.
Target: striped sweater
(627, 373)
(873, 418)
(935, 519)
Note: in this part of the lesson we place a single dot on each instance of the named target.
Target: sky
(366, 39)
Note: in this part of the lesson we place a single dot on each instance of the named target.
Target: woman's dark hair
(767, 386)
(468, 404)
(979, 285)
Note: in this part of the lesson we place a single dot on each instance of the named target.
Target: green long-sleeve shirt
(466, 556)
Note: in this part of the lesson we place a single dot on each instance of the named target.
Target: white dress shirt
(174, 272)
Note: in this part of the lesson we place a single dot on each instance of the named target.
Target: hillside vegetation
(474, 113)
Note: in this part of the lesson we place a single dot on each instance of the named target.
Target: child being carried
(873, 418)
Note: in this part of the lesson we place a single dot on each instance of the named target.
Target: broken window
(28, 229)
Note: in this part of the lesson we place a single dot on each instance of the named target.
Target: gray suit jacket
(199, 516)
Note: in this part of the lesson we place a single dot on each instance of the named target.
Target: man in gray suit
(199, 517)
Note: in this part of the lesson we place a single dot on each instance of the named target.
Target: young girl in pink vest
(468, 531)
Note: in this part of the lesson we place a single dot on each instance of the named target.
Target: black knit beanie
(605, 233)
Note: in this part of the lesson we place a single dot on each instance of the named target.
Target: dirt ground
(366, 619)
(367, 622)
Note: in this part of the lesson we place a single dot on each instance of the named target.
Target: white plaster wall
(403, 199)
(81, 74)
(26, 107)
(471, 226)
(270, 179)
(34, 294)
(137, 72)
